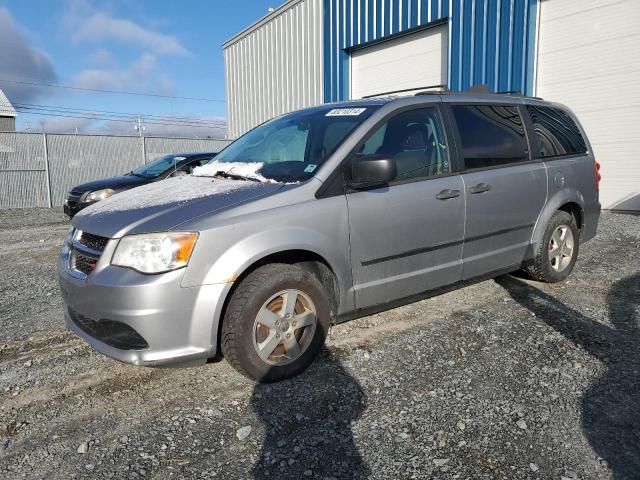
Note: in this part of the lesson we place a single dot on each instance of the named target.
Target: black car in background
(174, 165)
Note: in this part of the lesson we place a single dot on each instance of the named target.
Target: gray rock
(243, 432)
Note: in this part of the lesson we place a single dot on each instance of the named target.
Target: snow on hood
(247, 170)
(173, 191)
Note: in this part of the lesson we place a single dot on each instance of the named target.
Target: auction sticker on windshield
(345, 112)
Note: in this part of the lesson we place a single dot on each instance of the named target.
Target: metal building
(7, 114)
(579, 52)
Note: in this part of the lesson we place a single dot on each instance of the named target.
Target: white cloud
(21, 62)
(103, 26)
(63, 124)
(101, 57)
(140, 76)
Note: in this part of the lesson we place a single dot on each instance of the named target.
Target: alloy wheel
(284, 327)
(561, 247)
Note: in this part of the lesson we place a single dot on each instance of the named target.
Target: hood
(160, 206)
(117, 183)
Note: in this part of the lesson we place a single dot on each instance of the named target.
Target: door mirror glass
(371, 171)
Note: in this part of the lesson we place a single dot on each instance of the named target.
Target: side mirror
(372, 171)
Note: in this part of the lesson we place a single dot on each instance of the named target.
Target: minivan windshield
(157, 167)
(292, 147)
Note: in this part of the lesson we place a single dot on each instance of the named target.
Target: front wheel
(558, 252)
(275, 323)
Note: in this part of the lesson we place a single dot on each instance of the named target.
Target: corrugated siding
(7, 124)
(23, 174)
(491, 41)
(76, 159)
(276, 67)
(156, 147)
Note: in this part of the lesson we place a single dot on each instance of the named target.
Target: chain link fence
(38, 169)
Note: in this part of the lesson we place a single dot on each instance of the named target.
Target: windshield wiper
(234, 176)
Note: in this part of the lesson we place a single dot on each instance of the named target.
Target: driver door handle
(447, 194)
(480, 188)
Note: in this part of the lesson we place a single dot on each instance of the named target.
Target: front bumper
(177, 324)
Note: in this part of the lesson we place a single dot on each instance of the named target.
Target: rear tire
(275, 323)
(558, 251)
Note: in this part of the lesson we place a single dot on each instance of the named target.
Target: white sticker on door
(345, 112)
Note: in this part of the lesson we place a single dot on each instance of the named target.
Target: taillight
(596, 171)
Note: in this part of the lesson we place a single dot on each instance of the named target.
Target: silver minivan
(324, 215)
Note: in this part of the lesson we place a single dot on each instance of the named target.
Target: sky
(165, 48)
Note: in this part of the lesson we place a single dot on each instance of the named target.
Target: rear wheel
(275, 323)
(558, 252)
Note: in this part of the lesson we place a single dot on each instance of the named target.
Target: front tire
(275, 323)
(558, 251)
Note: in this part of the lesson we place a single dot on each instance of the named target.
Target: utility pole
(140, 128)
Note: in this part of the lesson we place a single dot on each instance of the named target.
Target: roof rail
(422, 92)
(427, 90)
(517, 93)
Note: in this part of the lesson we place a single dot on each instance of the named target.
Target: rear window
(556, 132)
(492, 135)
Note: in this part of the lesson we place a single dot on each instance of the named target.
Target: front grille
(85, 251)
(111, 332)
(84, 263)
(93, 241)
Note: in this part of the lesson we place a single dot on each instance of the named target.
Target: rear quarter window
(556, 132)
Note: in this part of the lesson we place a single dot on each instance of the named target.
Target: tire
(265, 295)
(549, 267)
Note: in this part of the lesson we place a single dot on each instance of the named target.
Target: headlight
(155, 252)
(97, 195)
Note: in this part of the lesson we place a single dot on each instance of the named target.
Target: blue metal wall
(490, 41)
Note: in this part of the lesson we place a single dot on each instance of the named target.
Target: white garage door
(415, 60)
(589, 59)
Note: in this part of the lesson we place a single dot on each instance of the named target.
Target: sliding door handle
(447, 194)
(480, 188)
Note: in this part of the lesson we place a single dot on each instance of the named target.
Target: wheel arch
(309, 260)
(568, 200)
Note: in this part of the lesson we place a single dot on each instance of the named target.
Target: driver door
(406, 237)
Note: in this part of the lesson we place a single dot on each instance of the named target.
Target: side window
(492, 135)
(556, 131)
(415, 140)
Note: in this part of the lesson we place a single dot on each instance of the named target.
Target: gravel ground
(505, 379)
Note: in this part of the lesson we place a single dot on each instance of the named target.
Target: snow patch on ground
(247, 170)
(172, 191)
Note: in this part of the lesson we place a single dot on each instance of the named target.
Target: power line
(33, 109)
(176, 124)
(122, 114)
(106, 115)
(97, 90)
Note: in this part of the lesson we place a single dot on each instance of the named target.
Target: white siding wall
(275, 66)
(588, 58)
